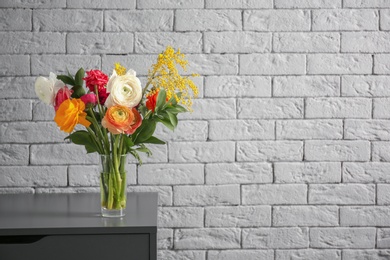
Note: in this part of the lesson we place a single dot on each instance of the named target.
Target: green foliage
(83, 138)
(76, 82)
(144, 132)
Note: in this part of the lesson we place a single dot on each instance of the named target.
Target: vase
(113, 185)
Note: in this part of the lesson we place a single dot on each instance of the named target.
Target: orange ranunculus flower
(70, 113)
(121, 119)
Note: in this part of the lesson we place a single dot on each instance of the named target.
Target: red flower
(89, 98)
(95, 78)
(62, 95)
(151, 101)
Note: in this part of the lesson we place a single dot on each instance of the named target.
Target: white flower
(46, 88)
(124, 90)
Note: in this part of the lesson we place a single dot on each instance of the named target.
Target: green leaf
(83, 138)
(144, 132)
(161, 99)
(66, 79)
(172, 119)
(128, 143)
(79, 77)
(154, 140)
(78, 91)
(144, 149)
(167, 123)
(136, 155)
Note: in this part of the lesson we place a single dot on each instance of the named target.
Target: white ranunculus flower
(46, 88)
(124, 90)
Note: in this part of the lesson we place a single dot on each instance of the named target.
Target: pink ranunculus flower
(62, 94)
(99, 79)
(89, 98)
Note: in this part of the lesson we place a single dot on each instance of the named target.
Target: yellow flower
(164, 74)
(70, 113)
(120, 70)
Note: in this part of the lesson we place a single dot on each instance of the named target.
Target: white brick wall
(286, 155)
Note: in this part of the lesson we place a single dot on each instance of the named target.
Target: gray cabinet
(69, 226)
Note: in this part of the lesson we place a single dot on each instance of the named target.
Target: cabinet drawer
(76, 247)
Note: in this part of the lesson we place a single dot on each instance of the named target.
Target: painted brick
(365, 216)
(345, 20)
(381, 63)
(305, 216)
(172, 217)
(366, 42)
(365, 4)
(41, 111)
(239, 42)
(383, 194)
(309, 129)
(89, 175)
(208, 108)
(383, 240)
(17, 190)
(98, 43)
(165, 194)
(169, 4)
(20, 87)
(367, 129)
(181, 254)
(307, 3)
(307, 172)
(243, 4)
(33, 4)
(366, 172)
(366, 254)
(155, 42)
(186, 152)
(165, 239)
(15, 110)
(338, 108)
(159, 154)
(365, 86)
(102, 4)
(274, 194)
(270, 108)
(44, 64)
(14, 65)
(238, 216)
(385, 18)
(27, 42)
(45, 190)
(208, 20)
(381, 108)
(207, 195)
(273, 151)
(138, 63)
(380, 151)
(229, 173)
(275, 238)
(237, 86)
(342, 237)
(241, 254)
(326, 254)
(174, 174)
(62, 154)
(306, 86)
(30, 132)
(211, 64)
(15, 19)
(276, 20)
(14, 154)
(207, 238)
(306, 42)
(342, 194)
(272, 64)
(339, 64)
(47, 176)
(54, 20)
(133, 21)
(241, 130)
(185, 131)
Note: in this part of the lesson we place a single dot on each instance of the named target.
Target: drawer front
(76, 247)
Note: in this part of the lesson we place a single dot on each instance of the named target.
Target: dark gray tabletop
(45, 214)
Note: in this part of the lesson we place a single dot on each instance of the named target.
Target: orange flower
(70, 113)
(121, 119)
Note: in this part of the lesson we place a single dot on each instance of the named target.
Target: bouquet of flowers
(119, 115)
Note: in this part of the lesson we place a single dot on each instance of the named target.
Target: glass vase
(113, 185)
